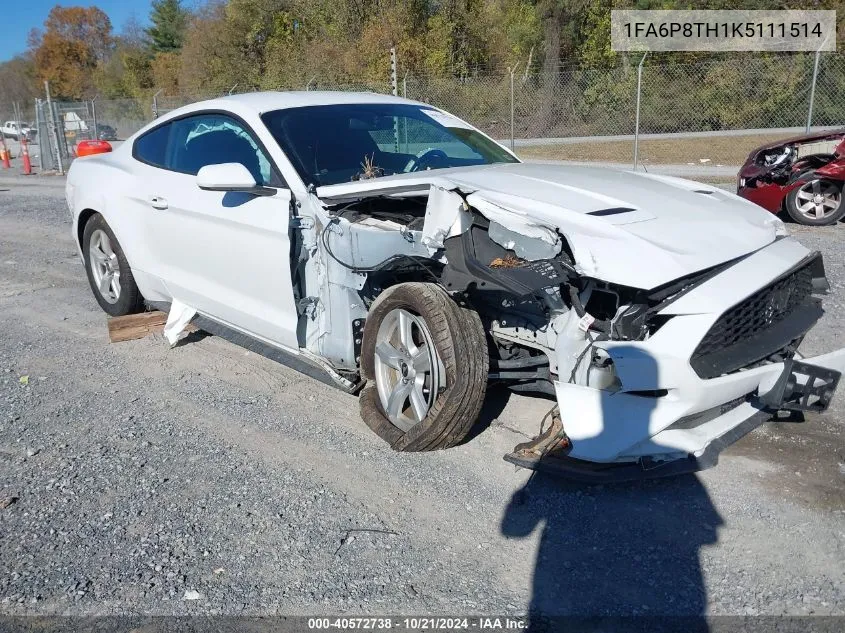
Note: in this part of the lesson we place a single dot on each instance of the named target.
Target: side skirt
(299, 362)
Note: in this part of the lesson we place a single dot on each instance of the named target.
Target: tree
(514, 33)
(74, 43)
(17, 77)
(398, 26)
(209, 59)
(137, 78)
(128, 70)
(132, 33)
(165, 72)
(170, 19)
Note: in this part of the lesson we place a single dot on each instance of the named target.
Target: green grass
(721, 150)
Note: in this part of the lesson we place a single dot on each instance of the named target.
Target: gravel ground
(206, 479)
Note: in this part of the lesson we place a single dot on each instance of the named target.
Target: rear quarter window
(151, 148)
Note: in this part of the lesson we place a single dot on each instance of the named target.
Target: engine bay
(532, 305)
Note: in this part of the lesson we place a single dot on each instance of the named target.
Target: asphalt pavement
(139, 479)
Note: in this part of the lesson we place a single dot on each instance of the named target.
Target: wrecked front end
(711, 361)
(649, 379)
(646, 382)
(772, 171)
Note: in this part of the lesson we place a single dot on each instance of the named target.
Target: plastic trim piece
(296, 362)
(595, 473)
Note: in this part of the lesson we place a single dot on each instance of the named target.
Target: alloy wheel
(818, 199)
(408, 371)
(105, 267)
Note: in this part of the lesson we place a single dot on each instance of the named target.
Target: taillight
(89, 148)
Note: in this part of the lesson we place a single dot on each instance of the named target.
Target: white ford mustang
(393, 249)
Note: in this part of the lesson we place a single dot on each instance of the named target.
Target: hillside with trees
(454, 53)
(263, 44)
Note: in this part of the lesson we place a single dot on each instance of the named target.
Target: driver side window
(211, 139)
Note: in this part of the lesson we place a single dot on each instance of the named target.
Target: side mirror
(230, 177)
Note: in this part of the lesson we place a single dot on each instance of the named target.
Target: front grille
(761, 325)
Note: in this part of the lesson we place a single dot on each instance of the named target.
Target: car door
(227, 254)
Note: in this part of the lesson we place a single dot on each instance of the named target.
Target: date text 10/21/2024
(490, 623)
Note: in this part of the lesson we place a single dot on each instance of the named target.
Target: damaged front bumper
(674, 406)
(690, 444)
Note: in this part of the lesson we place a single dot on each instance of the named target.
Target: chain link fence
(15, 120)
(569, 115)
(534, 105)
(60, 125)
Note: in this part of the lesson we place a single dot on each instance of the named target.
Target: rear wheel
(108, 270)
(816, 203)
(426, 361)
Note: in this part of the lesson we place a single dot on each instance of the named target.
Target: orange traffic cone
(4, 157)
(27, 164)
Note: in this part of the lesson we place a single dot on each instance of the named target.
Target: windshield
(331, 144)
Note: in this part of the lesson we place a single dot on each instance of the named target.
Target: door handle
(157, 202)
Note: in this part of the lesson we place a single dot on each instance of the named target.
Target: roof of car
(253, 103)
(267, 101)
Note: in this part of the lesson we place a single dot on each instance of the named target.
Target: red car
(803, 175)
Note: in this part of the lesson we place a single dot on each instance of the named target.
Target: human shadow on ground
(630, 551)
(626, 552)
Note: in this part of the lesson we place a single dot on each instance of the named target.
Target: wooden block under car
(132, 326)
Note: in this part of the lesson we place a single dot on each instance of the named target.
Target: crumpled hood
(801, 138)
(752, 169)
(639, 230)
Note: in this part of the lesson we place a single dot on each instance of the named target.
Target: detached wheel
(816, 203)
(108, 271)
(425, 359)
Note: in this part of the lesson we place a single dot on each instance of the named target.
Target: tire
(103, 257)
(816, 203)
(460, 369)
